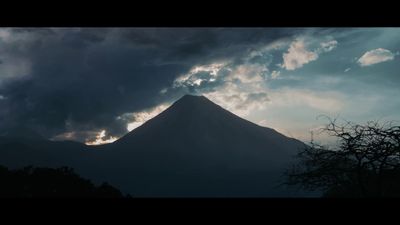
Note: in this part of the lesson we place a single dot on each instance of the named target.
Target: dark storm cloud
(83, 79)
(202, 45)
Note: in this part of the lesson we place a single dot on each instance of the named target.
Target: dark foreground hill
(31, 182)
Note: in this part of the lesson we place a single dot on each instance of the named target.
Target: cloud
(298, 53)
(199, 74)
(81, 76)
(275, 74)
(375, 56)
(238, 88)
(239, 103)
(248, 73)
(328, 46)
(14, 64)
(73, 83)
(137, 119)
(13, 67)
(325, 102)
(236, 85)
(100, 139)
(239, 85)
(91, 137)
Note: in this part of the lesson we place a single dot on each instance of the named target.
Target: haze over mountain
(194, 148)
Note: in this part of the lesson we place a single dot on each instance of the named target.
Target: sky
(93, 85)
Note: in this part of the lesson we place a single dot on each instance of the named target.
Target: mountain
(195, 148)
(198, 129)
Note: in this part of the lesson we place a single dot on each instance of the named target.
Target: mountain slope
(195, 126)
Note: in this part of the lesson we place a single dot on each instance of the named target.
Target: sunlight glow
(100, 139)
(140, 118)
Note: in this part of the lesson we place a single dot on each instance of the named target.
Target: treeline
(35, 182)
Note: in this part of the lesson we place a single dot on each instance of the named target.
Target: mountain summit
(197, 148)
(196, 118)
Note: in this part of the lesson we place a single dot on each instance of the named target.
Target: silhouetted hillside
(31, 182)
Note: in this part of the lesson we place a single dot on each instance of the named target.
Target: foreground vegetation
(31, 182)
(364, 163)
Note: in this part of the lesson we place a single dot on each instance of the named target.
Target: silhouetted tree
(365, 162)
(49, 182)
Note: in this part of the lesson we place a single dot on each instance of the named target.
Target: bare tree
(364, 163)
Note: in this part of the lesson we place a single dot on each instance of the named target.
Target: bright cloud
(198, 74)
(239, 88)
(100, 139)
(375, 56)
(240, 103)
(248, 73)
(298, 53)
(139, 118)
(89, 137)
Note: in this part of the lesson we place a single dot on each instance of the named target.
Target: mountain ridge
(195, 100)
